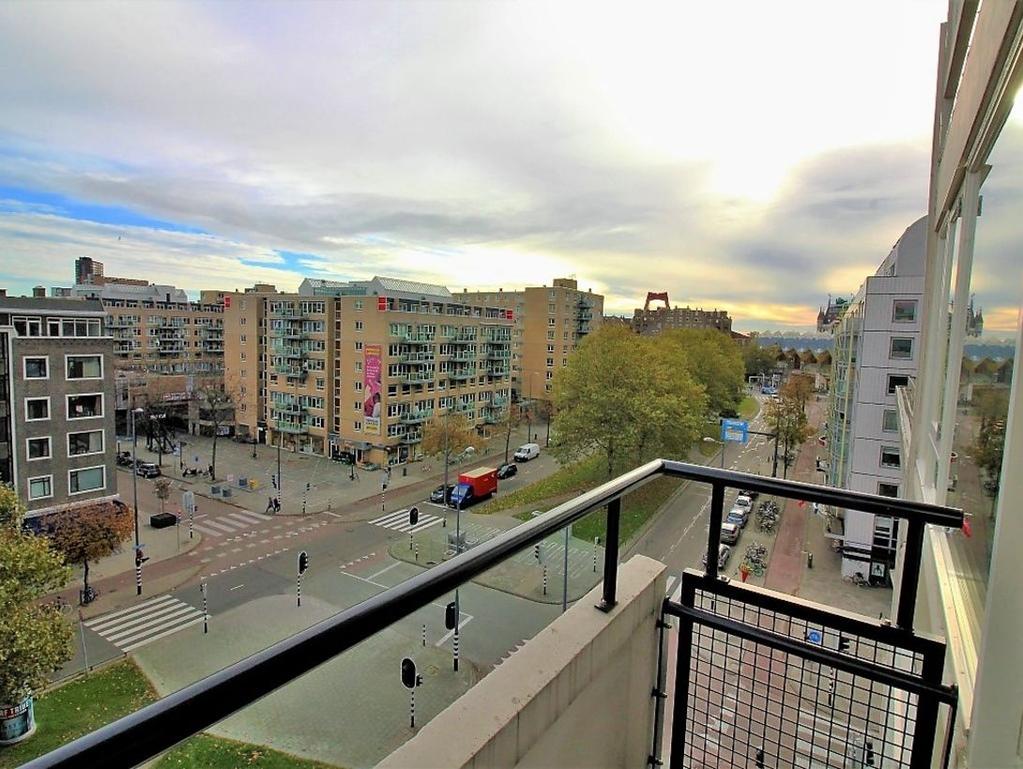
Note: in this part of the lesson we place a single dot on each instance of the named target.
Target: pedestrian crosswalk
(129, 629)
(231, 523)
(399, 521)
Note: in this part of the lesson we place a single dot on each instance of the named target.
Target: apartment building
(56, 395)
(549, 323)
(876, 350)
(361, 366)
(244, 353)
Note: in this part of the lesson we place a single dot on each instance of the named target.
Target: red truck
(474, 485)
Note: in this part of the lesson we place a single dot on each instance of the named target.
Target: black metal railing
(155, 728)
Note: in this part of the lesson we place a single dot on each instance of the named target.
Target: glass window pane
(36, 368)
(904, 310)
(85, 480)
(84, 367)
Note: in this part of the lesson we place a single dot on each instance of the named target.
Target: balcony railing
(416, 377)
(414, 417)
(884, 677)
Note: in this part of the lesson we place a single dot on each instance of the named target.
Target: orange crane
(653, 296)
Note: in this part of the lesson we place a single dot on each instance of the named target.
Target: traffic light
(273, 479)
(536, 551)
(843, 644)
(450, 616)
(409, 679)
(308, 486)
(303, 562)
(140, 558)
(413, 515)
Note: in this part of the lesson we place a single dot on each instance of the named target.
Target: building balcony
(292, 427)
(414, 417)
(498, 354)
(417, 377)
(462, 356)
(461, 374)
(417, 338)
(417, 358)
(287, 313)
(410, 438)
(497, 371)
(706, 671)
(288, 408)
(499, 401)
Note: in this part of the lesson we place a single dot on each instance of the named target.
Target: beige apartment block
(244, 350)
(549, 323)
(404, 351)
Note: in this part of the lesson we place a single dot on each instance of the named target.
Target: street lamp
(135, 494)
(708, 439)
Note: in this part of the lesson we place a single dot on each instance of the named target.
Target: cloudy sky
(745, 155)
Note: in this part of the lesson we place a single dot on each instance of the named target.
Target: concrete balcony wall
(577, 695)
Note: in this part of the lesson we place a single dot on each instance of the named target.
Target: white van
(526, 452)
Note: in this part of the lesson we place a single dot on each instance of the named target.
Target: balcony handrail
(146, 733)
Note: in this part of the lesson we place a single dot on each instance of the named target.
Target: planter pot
(17, 722)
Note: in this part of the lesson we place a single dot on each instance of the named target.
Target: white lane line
(220, 524)
(388, 587)
(390, 518)
(128, 636)
(450, 633)
(426, 525)
(136, 607)
(158, 636)
(334, 514)
(239, 587)
(118, 625)
(385, 570)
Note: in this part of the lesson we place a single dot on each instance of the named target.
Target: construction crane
(653, 296)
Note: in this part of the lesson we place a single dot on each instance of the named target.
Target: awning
(361, 445)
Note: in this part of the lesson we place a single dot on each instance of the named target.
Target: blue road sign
(734, 430)
(814, 636)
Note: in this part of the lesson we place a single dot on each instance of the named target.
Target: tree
(216, 405)
(89, 532)
(35, 640)
(758, 360)
(717, 364)
(787, 417)
(505, 425)
(162, 489)
(991, 406)
(798, 387)
(628, 398)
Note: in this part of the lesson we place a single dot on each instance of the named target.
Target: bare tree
(216, 406)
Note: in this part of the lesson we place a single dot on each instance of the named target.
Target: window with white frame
(86, 479)
(890, 421)
(39, 448)
(37, 367)
(85, 442)
(84, 366)
(40, 487)
(37, 409)
(85, 406)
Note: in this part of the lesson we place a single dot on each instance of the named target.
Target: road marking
(204, 530)
(450, 633)
(103, 619)
(398, 521)
(245, 518)
(129, 629)
(224, 528)
(385, 570)
(388, 587)
(238, 587)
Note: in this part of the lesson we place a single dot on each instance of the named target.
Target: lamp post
(708, 439)
(135, 494)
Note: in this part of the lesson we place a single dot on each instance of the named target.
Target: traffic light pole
(135, 496)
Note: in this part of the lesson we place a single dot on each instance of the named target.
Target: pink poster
(371, 389)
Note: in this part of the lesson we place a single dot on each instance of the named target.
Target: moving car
(438, 495)
(738, 516)
(507, 470)
(148, 470)
(526, 452)
(724, 553)
(730, 533)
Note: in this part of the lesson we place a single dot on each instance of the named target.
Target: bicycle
(61, 604)
(857, 579)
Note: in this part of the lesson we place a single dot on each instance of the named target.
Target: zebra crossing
(399, 521)
(232, 523)
(130, 629)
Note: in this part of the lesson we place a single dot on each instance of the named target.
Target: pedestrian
(269, 504)
(277, 505)
(211, 472)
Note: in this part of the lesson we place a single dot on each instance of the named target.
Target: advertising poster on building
(371, 389)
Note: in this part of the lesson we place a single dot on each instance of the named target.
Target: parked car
(730, 533)
(724, 553)
(526, 452)
(738, 516)
(148, 470)
(749, 493)
(507, 470)
(744, 502)
(438, 495)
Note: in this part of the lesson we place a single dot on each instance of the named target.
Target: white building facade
(877, 346)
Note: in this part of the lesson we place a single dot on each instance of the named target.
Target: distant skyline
(745, 156)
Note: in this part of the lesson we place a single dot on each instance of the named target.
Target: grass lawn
(79, 707)
(748, 407)
(577, 477)
(89, 702)
(710, 448)
(637, 508)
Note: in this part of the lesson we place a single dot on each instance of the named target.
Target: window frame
(103, 442)
(49, 409)
(67, 406)
(67, 360)
(891, 348)
(28, 481)
(884, 415)
(889, 450)
(103, 472)
(914, 302)
(28, 448)
(890, 389)
(892, 485)
(24, 367)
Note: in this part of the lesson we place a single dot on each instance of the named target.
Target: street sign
(736, 430)
(814, 637)
(188, 502)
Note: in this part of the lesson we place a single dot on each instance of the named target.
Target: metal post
(383, 488)
(191, 520)
(774, 465)
(280, 480)
(717, 504)
(411, 543)
(596, 541)
(910, 578)
(545, 579)
(724, 443)
(205, 610)
(412, 708)
(417, 552)
(298, 589)
(424, 634)
(135, 495)
(81, 629)
(614, 514)
(564, 595)
(454, 644)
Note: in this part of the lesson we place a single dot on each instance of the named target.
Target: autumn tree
(787, 418)
(89, 532)
(505, 426)
(162, 490)
(991, 407)
(716, 363)
(628, 398)
(799, 388)
(35, 640)
(446, 435)
(216, 406)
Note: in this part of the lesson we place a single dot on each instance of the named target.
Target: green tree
(787, 417)
(627, 397)
(89, 533)
(505, 426)
(162, 490)
(757, 360)
(35, 640)
(716, 363)
(991, 407)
